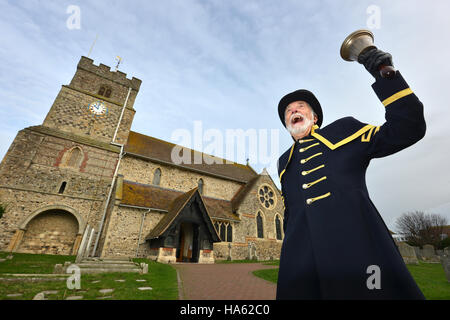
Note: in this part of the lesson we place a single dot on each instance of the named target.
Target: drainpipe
(121, 115)
(140, 231)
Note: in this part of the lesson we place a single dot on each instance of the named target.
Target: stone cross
(229, 252)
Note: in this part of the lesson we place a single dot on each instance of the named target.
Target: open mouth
(297, 118)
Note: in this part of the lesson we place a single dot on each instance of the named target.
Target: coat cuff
(390, 90)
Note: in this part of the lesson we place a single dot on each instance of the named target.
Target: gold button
(304, 173)
(302, 161)
(305, 186)
(309, 201)
(301, 150)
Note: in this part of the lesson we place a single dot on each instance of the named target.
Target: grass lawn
(430, 277)
(161, 278)
(31, 263)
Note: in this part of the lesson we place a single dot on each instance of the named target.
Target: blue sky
(227, 63)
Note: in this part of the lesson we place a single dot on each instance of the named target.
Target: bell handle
(387, 72)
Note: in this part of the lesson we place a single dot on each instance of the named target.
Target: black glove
(373, 58)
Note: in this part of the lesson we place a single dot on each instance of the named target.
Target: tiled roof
(175, 207)
(143, 195)
(160, 150)
(150, 196)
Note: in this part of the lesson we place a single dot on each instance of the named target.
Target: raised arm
(405, 123)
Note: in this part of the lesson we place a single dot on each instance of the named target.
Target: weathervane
(119, 60)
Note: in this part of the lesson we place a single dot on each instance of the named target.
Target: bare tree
(420, 228)
(438, 224)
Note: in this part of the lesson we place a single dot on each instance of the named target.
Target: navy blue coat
(333, 232)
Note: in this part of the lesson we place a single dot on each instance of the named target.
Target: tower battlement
(105, 72)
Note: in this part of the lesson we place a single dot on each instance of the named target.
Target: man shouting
(336, 245)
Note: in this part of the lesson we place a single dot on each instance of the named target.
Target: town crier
(336, 244)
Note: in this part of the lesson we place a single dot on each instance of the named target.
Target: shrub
(2, 209)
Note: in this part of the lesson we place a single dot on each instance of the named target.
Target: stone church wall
(123, 232)
(251, 206)
(246, 231)
(34, 161)
(32, 173)
(70, 113)
(142, 171)
(22, 205)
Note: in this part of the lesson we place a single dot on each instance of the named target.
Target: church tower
(98, 104)
(56, 178)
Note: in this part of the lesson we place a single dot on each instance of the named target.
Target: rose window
(266, 197)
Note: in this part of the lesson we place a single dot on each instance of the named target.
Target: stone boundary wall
(261, 250)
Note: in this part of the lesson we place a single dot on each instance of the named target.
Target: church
(83, 183)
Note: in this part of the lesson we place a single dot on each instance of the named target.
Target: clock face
(98, 108)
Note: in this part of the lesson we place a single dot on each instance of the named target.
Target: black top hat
(300, 95)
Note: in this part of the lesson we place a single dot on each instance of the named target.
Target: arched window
(108, 93)
(200, 186)
(222, 232)
(259, 225)
(62, 187)
(278, 227)
(216, 225)
(157, 177)
(101, 91)
(74, 157)
(229, 233)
